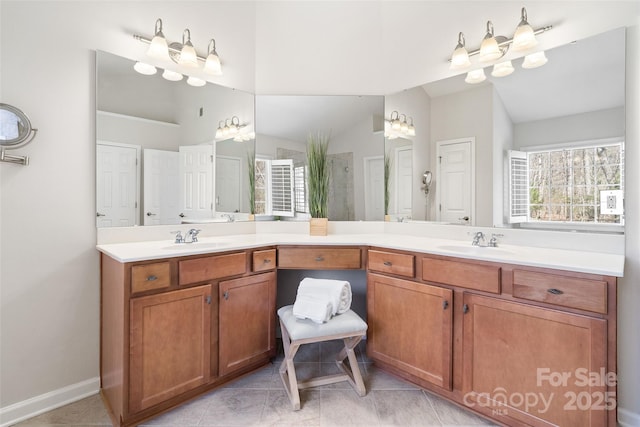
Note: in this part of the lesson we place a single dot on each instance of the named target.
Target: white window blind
(518, 186)
(282, 191)
(300, 187)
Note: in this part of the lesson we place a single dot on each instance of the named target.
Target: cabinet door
(410, 327)
(539, 366)
(169, 345)
(247, 321)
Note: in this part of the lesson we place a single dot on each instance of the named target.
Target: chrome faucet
(477, 237)
(230, 218)
(493, 243)
(193, 234)
(179, 238)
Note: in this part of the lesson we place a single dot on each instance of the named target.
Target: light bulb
(534, 60)
(524, 37)
(475, 76)
(502, 69)
(188, 56)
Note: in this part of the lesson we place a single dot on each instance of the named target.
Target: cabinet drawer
(324, 258)
(150, 276)
(213, 267)
(583, 294)
(458, 273)
(264, 260)
(392, 263)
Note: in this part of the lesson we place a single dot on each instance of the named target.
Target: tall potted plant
(251, 169)
(387, 190)
(318, 183)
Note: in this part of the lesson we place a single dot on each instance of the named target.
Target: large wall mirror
(163, 153)
(354, 125)
(576, 99)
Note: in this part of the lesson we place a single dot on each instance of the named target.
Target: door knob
(464, 218)
(100, 214)
(150, 214)
(181, 215)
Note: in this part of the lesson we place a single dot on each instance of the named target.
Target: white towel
(338, 292)
(309, 307)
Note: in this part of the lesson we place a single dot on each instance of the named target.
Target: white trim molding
(627, 418)
(37, 405)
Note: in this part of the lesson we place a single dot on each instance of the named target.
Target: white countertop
(563, 259)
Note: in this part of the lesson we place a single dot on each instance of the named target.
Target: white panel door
(374, 188)
(161, 201)
(404, 180)
(196, 181)
(117, 185)
(454, 194)
(228, 184)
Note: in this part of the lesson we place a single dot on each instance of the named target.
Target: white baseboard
(29, 408)
(628, 418)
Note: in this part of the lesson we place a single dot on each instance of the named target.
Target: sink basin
(475, 250)
(195, 246)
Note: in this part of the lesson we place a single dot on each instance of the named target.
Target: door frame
(138, 149)
(472, 159)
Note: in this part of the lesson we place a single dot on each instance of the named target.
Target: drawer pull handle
(445, 304)
(267, 261)
(465, 308)
(388, 263)
(152, 278)
(319, 258)
(555, 291)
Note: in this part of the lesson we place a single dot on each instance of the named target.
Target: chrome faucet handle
(494, 239)
(477, 237)
(179, 238)
(194, 235)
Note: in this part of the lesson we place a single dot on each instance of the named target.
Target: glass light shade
(475, 76)
(395, 124)
(158, 47)
(212, 65)
(534, 60)
(489, 50)
(146, 69)
(524, 38)
(188, 56)
(171, 76)
(502, 69)
(404, 128)
(411, 131)
(460, 59)
(194, 81)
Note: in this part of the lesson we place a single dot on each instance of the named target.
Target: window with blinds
(518, 187)
(282, 190)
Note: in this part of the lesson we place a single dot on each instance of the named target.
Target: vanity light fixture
(494, 47)
(183, 54)
(232, 128)
(398, 127)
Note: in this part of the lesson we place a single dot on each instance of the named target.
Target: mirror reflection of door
(455, 185)
(117, 183)
(161, 199)
(196, 181)
(228, 180)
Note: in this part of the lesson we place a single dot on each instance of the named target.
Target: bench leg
(354, 375)
(288, 371)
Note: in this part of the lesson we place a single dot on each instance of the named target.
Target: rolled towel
(336, 291)
(309, 307)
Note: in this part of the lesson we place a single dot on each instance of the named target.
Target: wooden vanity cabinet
(526, 346)
(247, 321)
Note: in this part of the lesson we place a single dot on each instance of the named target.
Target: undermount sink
(196, 245)
(476, 250)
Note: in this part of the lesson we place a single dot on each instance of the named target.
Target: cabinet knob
(152, 278)
(267, 261)
(445, 304)
(555, 291)
(319, 258)
(388, 263)
(207, 299)
(465, 308)
(226, 295)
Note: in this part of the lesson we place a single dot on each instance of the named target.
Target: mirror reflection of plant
(318, 170)
(387, 178)
(251, 168)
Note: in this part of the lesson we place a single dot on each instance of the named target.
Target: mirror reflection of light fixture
(146, 69)
(232, 128)
(196, 82)
(172, 76)
(399, 126)
(494, 47)
(426, 182)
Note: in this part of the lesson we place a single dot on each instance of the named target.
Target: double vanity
(523, 335)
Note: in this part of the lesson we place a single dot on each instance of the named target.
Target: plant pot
(318, 226)
(252, 217)
(387, 218)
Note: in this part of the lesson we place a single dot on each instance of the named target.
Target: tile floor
(259, 399)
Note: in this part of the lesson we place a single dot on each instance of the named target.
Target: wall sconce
(493, 48)
(397, 127)
(232, 128)
(426, 182)
(183, 54)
